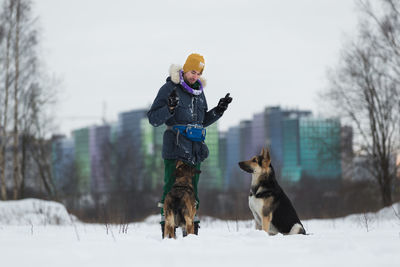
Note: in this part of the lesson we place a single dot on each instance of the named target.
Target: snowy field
(38, 233)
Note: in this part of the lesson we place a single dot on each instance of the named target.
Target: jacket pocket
(201, 151)
(204, 151)
(184, 148)
(169, 147)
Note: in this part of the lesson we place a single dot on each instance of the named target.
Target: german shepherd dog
(180, 202)
(272, 210)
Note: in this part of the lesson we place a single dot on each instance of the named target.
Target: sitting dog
(180, 202)
(272, 210)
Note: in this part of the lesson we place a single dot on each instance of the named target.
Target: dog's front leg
(266, 222)
(257, 220)
(256, 207)
(267, 214)
(258, 225)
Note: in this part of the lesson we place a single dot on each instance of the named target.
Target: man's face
(191, 76)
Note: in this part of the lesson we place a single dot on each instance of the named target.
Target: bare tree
(17, 89)
(28, 95)
(7, 21)
(365, 85)
(40, 118)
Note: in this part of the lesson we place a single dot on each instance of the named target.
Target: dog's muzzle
(244, 167)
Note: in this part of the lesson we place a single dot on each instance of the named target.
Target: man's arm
(159, 112)
(211, 117)
(217, 112)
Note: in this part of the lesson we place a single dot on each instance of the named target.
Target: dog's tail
(297, 229)
(177, 209)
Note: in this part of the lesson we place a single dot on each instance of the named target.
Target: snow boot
(162, 224)
(162, 219)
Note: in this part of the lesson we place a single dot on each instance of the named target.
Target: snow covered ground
(356, 240)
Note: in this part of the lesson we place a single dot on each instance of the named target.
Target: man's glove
(173, 100)
(223, 103)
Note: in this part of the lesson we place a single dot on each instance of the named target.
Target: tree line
(25, 97)
(365, 84)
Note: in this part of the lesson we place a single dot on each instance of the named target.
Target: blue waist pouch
(195, 133)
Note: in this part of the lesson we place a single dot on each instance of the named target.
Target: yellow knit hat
(194, 62)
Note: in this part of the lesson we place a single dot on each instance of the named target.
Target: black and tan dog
(272, 210)
(180, 202)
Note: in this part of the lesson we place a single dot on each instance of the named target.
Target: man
(182, 106)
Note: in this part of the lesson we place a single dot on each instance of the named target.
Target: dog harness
(193, 132)
(184, 188)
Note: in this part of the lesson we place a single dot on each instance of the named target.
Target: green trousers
(169, 179)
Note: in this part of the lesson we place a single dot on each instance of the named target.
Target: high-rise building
(320, 144)
(129, 154)
(82, 159)
(62, 161)
(233, 175)
(151, 148)
(222, 156)
(291, 150)
(274, 129)
(312, 148)
(245, 133)
(258, 133)
(267, 131)
(100, 148)
(211, 176)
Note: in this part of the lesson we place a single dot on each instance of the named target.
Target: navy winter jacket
(191, 109)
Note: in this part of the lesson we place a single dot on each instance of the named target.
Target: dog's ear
(179, 163)
(266, 156)
(262, 152)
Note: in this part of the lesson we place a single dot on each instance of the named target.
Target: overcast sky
(264, 52)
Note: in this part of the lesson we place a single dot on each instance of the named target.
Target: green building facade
(152, 138)
(291, 150)
(82, 159)
(320, 142)
(211, 176)
(311, 149)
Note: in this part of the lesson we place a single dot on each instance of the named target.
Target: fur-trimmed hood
(174, 74)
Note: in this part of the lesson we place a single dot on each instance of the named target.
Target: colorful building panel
(291, 171)
(312, 149)
(130, 164)
(258, 133)
(211, 176)
(152, 149)
(100, 149)
(233, 176)
(82, 159)
(63, 156)
(320, 144)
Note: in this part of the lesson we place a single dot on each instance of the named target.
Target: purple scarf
(187, 87)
